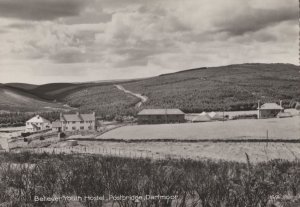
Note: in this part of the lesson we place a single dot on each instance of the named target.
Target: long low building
(160, 116)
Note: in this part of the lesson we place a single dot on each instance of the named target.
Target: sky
(44, 41)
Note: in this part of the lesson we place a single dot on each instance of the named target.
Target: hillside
(17, 100)
(106, 101)
(233, 87)
(59, 91)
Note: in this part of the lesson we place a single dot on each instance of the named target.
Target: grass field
(258, 152)
(287, 128)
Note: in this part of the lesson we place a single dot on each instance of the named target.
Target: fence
(115, 152)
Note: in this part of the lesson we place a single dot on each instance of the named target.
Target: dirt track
(139, 96)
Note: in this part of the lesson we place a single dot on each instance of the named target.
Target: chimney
(77, 113)
(60, 115)
(258, 104)
(94, 114)
(280, 103)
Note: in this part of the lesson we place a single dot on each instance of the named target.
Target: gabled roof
(78, 117)
(161, 112)
(268, 106)
(38, 119)
(32, 126)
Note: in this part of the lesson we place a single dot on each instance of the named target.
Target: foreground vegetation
(196, 183)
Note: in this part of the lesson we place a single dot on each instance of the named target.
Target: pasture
(258, 152)
(286, 128)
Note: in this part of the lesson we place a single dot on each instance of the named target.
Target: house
(159, 116)
(37, 123)
(77, 122)
(269, 110)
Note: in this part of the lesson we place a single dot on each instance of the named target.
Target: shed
(203, 117)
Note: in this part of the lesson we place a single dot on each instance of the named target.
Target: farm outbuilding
(269, 110)
(203, 117)
(57, 126)
(216, 116)
(160, 116)
(284, 115)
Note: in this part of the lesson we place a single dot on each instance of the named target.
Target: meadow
(258, 151)
(285, 128)
(192, 183)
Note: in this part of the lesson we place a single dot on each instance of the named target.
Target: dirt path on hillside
(139, 96)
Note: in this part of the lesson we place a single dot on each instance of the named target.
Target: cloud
(70, 55)
(41, 9)
(250, 19)
(135, 38)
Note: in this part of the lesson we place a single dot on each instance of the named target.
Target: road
(139, 96)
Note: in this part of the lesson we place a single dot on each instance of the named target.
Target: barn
(269, 110)
(160, 116)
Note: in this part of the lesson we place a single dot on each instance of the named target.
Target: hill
(24, 86)
(232, 87)
(17, 100)
(59, 91)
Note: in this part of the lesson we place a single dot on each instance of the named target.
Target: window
(66, 127)
(90, 127)
(81, 128)
(73, 122)
(81, 122)
(73, 128)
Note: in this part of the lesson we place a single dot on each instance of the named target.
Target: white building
(77, 122)
(37, 123)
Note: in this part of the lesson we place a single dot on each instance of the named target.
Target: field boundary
(237, 140)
